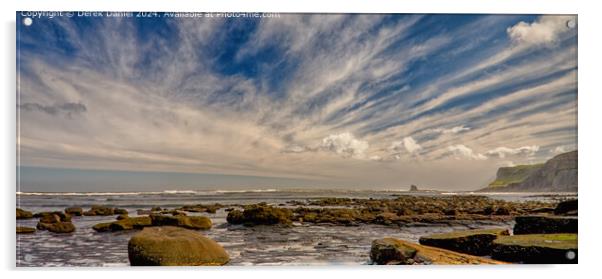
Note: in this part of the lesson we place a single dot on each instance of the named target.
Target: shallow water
(301, 244)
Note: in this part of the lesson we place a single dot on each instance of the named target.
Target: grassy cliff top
(557, 241)
(516, 174)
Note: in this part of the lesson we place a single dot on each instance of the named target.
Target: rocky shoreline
(548, 221)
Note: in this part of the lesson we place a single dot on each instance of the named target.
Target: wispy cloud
(350, 99)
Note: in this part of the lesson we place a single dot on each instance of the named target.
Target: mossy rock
(543, 224)
(54, 216)
(260, 215)
(99, 210)
(102, 227)
(25, 230)
(58, 227)
(472, 242)
(189, 222)
(75, 211)
(537, 248)
(120, 211)
(24, 214)
(131, 223)
(395, 251)
(174, 246)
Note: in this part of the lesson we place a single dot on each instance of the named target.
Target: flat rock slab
(472, 242)
(536, 248)
(395, 251)
(169, 246)
(545, 224)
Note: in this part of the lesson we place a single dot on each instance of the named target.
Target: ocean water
(301, 244)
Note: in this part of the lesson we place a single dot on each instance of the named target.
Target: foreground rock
(395, 251)
(536, 248)
(473, 242)
(24, 214)
(260, 215)
(170, 246)
(25, 230)
(542, 224)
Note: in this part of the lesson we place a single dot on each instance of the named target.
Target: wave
(165, 192)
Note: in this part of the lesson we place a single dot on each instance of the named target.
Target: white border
(589, 139)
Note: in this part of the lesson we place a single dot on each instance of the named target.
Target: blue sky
(301, 100)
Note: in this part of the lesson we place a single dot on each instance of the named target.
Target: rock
(99, 210)
(189, 222)
(413, 188)
(75, 211)
(120, 211)
(472, 242)
(395, 251)
(567, 208)
(54, 216)
(511, 175)
(156, 208)
(102, 227)
(131, 223)
(25, 230)
(260, 215)
(57, 227)
(24, 214)
(143, 212)
(173, 246)
(122, 216)
(542, 224)
(536, 248)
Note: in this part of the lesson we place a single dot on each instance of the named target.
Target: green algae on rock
(537, 248)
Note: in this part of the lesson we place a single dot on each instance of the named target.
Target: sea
(301, 244)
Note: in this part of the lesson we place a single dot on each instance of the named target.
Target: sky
(346, 101)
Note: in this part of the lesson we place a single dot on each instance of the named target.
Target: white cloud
(502, 152)
(411, 145)
(345, 144)
(544, 31)
(560, 149)
(454, 130)
(461, 150)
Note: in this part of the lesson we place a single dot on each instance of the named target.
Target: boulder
(543, 224)
(173, 246)
(24, 214)
(472, 242)
(567, 208)
(25, 230)
(131, 223)
(189, 222)
(99, 210)
(120, 211)
(75, 211)
(260, 215)
(536, 248)
(51, 217)
(57, 227)
(395, 251)
(102, 227)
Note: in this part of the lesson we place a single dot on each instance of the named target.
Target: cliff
(558, 174)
